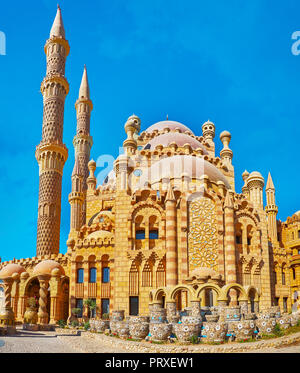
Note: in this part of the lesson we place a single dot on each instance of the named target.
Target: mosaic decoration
(202, 236)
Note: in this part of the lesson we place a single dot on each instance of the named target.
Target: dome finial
(84, 91)
(167, 117)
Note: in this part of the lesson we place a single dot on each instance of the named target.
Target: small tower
(226, 153)
(255, 184)
(271, 209)
(245, 189)
(51, 153)
(82, 144)
(132, 128)
(208, 131)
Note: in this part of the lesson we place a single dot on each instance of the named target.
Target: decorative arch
(226, 288)
(208, 286)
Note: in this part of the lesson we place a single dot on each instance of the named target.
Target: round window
(137, 172)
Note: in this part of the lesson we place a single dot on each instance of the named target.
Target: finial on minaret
(84, 90)
(270, 184)
(167, 117)
(58, 26)
(226, 153)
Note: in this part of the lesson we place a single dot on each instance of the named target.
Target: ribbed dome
(179, 138)
(176, 166)
(172, 125)
(10, 269)
(46, 266)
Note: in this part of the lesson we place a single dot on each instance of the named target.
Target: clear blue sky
(229, 62)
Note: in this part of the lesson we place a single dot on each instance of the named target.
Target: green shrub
(194, 339)
(105, 316)
(74, 323)
(61, 323)
(277, 331)
(86, 326)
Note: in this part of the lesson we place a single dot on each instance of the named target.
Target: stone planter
(138, 319)
(101, 325)
(243, 330)
(160, 331)
(266, 326)
(233, 313)
(275, 310)
(195, 320)
(184, 332)
(122, 329)
(212, 318)
(213, 332)
(31, 327)
(295, 317)
(158, 315)
(118, 315)
(139, 330)
(30, 316)
(249, 316)
(113, 325)
(284, 321)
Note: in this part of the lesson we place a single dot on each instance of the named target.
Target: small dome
(225, 134)
(110, 178)
(176, 166)
(100, 234)
(172, 125)
(46, 266)
(10, 269)
(179, 138)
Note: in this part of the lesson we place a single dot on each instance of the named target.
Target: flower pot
(138, 330)
(30, 316)
(160, 331)
(184, 332)
(213, 332)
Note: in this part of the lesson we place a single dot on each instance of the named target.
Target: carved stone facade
(166, 225)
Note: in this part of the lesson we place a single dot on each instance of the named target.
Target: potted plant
(91, 304)
(30, 315)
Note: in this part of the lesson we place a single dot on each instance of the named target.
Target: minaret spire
(57, 28)
(51, 153)
(271, 209)
(82, 143)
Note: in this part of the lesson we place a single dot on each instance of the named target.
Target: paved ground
(36, 342)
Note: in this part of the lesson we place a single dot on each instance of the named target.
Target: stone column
(256, 306)
(7, 316)
(230, 258)
(54, 296)
(171, 249)
(222, 303)
(42, 313)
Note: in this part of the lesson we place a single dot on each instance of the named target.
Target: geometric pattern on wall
(202, 236)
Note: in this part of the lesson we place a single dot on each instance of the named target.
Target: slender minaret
(51, 153)
(82, 144)
(271, 209)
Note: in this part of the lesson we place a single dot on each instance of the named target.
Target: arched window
(105, 275)
(93, 275)
(80, 273)
(283, 275)
(140, 234)
(294, 273)
(153, 234)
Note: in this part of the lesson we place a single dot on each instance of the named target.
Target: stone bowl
(213, 332)
(284, 321)
(195, 320)
(139, 330)
(243, 330)
(184, 332)
(122, 329)
(265, 326)
(160, 331)
(212, 318)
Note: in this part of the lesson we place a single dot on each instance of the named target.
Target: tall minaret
(82, 144)
(271, 209)
(51, 153)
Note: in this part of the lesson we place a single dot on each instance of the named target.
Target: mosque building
(167, 219)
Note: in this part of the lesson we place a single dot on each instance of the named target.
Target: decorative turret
(255, 184)
(208, 130)
(51, 153)
(245, 189)
(91, 180)
(132, 128)
(82, 143)
(271, 209)
(226, 153)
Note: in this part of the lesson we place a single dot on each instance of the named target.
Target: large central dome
(176, 166)
(178, 138)
(172, 125)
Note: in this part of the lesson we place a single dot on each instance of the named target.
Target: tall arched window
(93, 275)
(80, 273)
(283, 275)
(105, 274)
